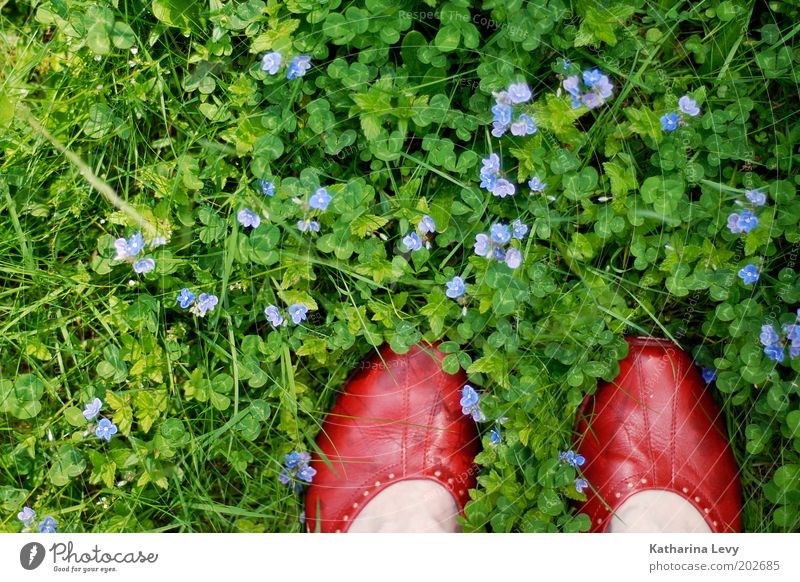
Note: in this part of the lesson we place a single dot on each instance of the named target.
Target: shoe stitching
(404, 433)
(645, 411)
(340, 513)
(358, 496)
(426, 460)
(713, 515)
(714, 427)
(600, 505)
(673, 432)
(368, 484)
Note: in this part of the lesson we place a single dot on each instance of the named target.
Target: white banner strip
(353, 557)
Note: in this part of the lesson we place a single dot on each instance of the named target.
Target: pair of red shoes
(654, 427)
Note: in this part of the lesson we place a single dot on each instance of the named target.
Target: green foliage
(167, 103)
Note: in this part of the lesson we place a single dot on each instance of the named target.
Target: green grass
(92, 150)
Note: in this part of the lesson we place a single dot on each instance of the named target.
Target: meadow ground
(210, 212)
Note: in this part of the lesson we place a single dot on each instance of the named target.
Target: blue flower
(427, 225)
(494, 436)
(205, 303)
(143, 266)
(733, 223)
(123, 250)
(598, 89)
(469, 403)
(270, 62)
(298, 66)
(502, 98)
(575, 460)
(27, 516)
(747, 221)
(792, 331)
(500, 233)
(768, 335)
(688, 106)
(469, 397)
(48, 525)
(482, 245)
(591, 99)
(92, 409)
(491, 246)
(603, 88)
(742, 223)
(185, 298)
(489, 171)
(581, 484)
(488, 181)
(306, 225)
(127, 249)
(267, 188)
(572, 85)
(572, 459)
(536, 185)
(518, 229)
(135, 244)
(503, 188)
(248, 218)
(749, 274)
(491, 164)
(320, 199)
(519, 93)
(524, 125)
(273, 315)
(669, 122)
(502, 114)
(709, 375)
(513, 257)
(306, 473)
(774, 352)
(592, 76)
(455, 287)
(296, 458)
(298, 312)
(412, 241)
(297, 465)
(755, 197)
(105, 429)
(499, 129)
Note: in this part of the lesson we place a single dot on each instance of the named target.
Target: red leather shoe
(656, 427)
(398, 418)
